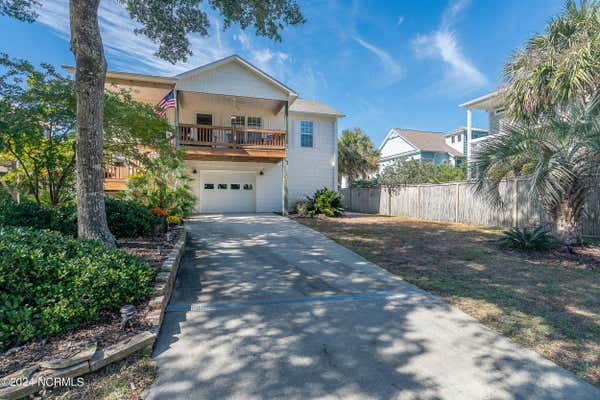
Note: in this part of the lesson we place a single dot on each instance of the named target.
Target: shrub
(159, 212)
(304, 208)
(129, 219)
(174, 220)
(324, 201)
(125, 218)
(527, 238)
(328, 202)
(56, 218)
(51, 283)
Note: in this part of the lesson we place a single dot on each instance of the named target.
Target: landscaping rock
(73, 370)
(156, 302)
(121, 350)
(22, 374)
(163, 277)
(19, 391)
(60, 363)
(159, 289)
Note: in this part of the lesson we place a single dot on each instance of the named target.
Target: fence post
(418, 201)
(456, 206)
(389, 191)
(515, 216)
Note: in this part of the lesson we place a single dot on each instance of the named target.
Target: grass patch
(549, 302)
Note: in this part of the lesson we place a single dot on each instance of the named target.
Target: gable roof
(244, 63)
(423, 140)
(308, 106)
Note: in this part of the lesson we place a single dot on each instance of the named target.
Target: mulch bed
(107, 329)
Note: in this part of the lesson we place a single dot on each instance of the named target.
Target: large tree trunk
(90, 74)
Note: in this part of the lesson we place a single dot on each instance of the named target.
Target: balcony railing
(231, 137)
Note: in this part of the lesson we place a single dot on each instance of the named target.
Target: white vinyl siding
(311, 168)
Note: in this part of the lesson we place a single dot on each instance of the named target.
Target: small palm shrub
(527, 238)
(326, 202)
(51, 283)
(304, 208)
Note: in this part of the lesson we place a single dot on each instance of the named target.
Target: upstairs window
(254, 122)
(238, 121)
(452, 138)
(306, 133)
(458, 138)
(204, 119)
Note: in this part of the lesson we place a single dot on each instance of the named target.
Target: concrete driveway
(265, 308)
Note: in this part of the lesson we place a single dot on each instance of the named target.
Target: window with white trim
(307, 129)
(254, 122)
(238, 121)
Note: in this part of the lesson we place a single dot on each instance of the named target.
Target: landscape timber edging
(31, 377)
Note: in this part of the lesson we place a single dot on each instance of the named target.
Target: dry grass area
(129, 379)
(549, 302)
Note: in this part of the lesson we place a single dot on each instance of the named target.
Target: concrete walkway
(265, 308)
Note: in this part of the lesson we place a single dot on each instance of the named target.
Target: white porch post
(176, 94)
(469, 138)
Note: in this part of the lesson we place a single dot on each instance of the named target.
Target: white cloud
(443, 44)
(392, 68)
(264, 58)
(129, 51)
(400, 20)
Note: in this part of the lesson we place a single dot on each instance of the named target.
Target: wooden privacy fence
(457, 202)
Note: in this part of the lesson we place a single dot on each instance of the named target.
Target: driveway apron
(266, 308)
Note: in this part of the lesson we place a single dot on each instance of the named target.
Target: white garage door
(227, 192)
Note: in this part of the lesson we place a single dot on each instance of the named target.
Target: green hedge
(51, 283)
(125, 218)
(129, 219)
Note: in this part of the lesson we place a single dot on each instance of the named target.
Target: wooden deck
(212, 143)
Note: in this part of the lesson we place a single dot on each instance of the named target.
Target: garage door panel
(227, 192)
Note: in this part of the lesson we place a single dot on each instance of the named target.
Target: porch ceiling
(189, 98)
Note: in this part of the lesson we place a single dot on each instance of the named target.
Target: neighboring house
(459, 138)
(492, 104)
(251, 144)
(409, 144)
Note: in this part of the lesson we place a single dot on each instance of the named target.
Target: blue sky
(404, 64)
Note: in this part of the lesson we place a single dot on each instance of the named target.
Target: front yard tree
(37, 129)
(357, 156)
(167, 23)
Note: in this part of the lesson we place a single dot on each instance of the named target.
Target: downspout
(284, 165)
(334, 184)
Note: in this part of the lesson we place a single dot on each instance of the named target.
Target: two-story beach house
(251, 144)
(410, 144)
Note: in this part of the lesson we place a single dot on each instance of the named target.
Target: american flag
(166, 103)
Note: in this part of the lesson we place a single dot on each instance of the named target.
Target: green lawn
(549, 302)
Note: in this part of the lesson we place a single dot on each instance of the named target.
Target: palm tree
(559, 67)
(561, 151)
(357, 156)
